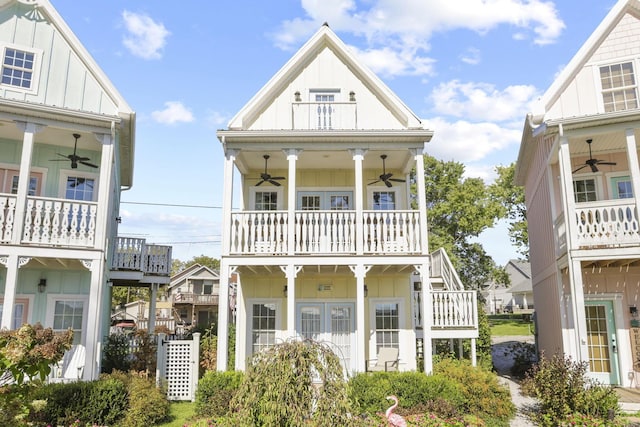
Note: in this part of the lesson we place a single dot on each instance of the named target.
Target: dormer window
(619, 88)
(17, 68)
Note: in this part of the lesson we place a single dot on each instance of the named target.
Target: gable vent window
(619, 89)
(17, 68)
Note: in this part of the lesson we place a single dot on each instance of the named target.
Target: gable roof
(617, 12)
(323, 39)
(125, 115)
(193, 270)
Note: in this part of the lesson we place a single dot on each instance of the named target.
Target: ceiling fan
(386, 177)
(74, 158)
(266, 177)
(591, 162)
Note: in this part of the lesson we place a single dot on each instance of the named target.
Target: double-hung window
(263, 322)
(619, 87)
(584, 190)
(69, 313)
(387, 323)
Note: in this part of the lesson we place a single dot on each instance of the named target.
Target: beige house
(517, 296)
(578, 162)
(326, 244)
(193, 295)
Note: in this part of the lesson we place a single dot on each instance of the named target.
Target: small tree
(291, 384)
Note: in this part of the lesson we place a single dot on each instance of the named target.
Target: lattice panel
(179, 370)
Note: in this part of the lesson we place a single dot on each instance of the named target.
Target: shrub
(116, 354)
(291, 384)
(215, 391)
(144, 357)
(148, 404)
(208, 350)
(483, 394)
(563, 389)
(523, 356)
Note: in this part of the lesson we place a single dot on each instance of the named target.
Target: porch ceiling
(54, 264)
(612, 263)
(323, 270)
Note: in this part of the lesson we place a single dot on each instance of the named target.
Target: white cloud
(471, 56)
(402, 30)
(388, 62)
(468, 142)
(145, 37)
(174, 112)
(217, 120)
(483, 101)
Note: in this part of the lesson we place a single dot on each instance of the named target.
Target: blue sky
(470, 69)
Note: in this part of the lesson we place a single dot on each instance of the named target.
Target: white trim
(53, 298)
(372, 324)
(252, 196)
(608, 177)
(67, 173)
(279, 333)
(37, 66)
(597, 80)
(622, 332)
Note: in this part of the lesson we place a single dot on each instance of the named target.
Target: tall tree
(459, 209)
(511, 196)
(177, 265)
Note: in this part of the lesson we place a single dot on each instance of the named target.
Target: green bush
(215, 391)
(148, 405)
(116, 354)
(65, 403)
(563, 390)
(483, 394)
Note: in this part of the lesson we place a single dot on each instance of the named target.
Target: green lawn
(181, 413)
(504, 327)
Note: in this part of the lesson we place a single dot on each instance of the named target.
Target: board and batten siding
(327, 72)
(64, 80)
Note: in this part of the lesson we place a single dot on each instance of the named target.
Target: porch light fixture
(42, 285)
(633, 310)
(352, 96)
(366, 290)
(297, 95)
(285, 289)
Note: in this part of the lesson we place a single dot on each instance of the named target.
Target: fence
(178, 366)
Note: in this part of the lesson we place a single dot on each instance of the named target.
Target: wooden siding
(64, 79)
(548, 317)
(329, 72)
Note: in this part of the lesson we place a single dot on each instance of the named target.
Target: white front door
(332, 324)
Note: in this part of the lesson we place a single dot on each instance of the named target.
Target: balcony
(134, 260)
(601, 224)
(50, 222)
(196, 299)
(452, 311)
(324, 115)
(325, 232)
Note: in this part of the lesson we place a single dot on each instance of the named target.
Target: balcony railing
(191, 298)
(50, 222)
(451, 309)
(325, 232)
(324, 115)
(606, 223)
(136, 255)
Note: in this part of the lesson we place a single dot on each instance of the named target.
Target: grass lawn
(504, 327)
(181, 413)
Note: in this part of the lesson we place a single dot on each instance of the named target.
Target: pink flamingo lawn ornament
(394, 419)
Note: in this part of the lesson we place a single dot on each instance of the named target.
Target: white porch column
(291, 272)
(569, 207)
(427, 314)
(358, 158)
(241, 328)
(227, 201)
(292, 157)
(422, 202)
(580, 350)
(93, 336)
(634, 168)
(223, 313)
(105, 210)
(29, 129)
(152, 307)
(11, 281)
(360, 271)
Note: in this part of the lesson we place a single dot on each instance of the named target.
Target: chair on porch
(387, 360)
(71, 367)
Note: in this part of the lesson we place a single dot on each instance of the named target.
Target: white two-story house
(66, 152)
(578, 162)
(330, 241)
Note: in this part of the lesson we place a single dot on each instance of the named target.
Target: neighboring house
(517, 296)
(327, 245)
(578, 162)
(136, 315)
(66, 150)
(193, 294)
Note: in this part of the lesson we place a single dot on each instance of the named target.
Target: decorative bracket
(23, 260)
(87, 263)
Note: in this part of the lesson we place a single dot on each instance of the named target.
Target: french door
(330, 323)
(601, 342)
